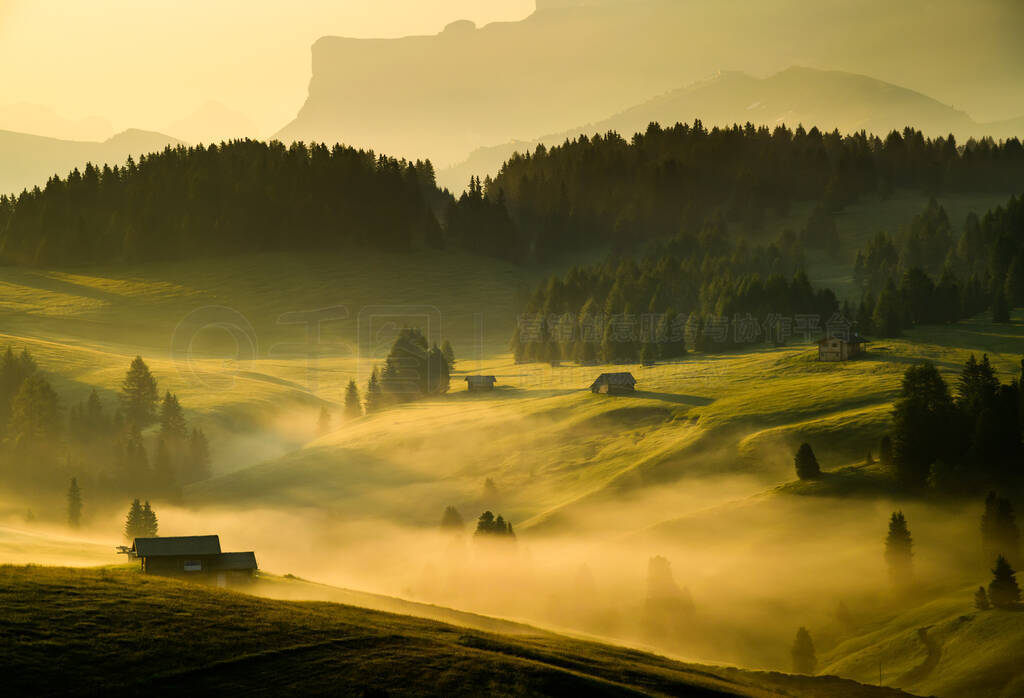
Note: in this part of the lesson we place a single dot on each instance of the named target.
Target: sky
(149, 63)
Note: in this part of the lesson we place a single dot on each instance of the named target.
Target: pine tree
(163, 469)
(323, 422)
(1003, 591)
(148, 521)
(806, 463)
(805, 661)
(353, 403)
(888, 316)
(899, 550)
(198, 457)
(74, 504)
(139, 394)
(451, 520)
(133, 525)
(374, 394)
(1000, 308)
(449, 354)
(1014, 287)
(981, 600)
(173, 427)
(885, 451)
(35, 412)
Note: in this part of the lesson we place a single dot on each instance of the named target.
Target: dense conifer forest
(607, 189)
(242, 196)
(250, 196)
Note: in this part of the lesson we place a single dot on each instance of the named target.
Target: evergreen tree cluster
(490, 526)
(141, 521)
(961, 442)
(690, 292)
(1000, 534)
(239, 196)
(899, 550)
(605, 189)
(412, 369)
(105, 447)
(930, 276)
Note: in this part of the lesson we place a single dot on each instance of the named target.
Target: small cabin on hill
(840, 348)
(480, 383)
(614, 384)
(194, 557)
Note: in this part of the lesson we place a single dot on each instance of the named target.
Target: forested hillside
(242, 196)
(606, 189)
(249, 196)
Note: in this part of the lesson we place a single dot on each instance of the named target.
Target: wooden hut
(614, 384)
(480, 383)
(192, 556)
(841, 348)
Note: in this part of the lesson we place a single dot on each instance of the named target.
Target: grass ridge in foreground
(115, 631)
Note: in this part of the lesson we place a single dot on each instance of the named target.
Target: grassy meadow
(696, 466)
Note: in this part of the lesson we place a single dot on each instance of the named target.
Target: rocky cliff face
(571, 63)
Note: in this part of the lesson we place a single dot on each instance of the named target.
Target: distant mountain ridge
(826, 99)
(27, 161)
(442, 96)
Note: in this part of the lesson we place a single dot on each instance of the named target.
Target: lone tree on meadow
(899, 552)
(353, 404)
(805, 661)
(981, 600)
(139, 395)
(1003, 591)
(807, 467)
(74, 504)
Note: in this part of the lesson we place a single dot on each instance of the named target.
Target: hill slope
(27, 161)
(86, 631)
(828, 99)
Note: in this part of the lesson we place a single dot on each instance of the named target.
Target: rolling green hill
(77, 632)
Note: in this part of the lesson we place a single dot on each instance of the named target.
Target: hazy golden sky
(148, 63)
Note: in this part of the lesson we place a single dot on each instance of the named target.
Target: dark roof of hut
(176, 546)
(614, 379)
(229, 562)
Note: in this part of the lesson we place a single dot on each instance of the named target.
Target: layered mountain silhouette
(27, 160)
(572, 61)
(40, 120)
(826, 99)
(213, 122)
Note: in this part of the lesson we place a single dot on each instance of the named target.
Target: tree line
(602, 190)
(110, 449)
(963, 441)
(693, 291)
(931, 276)
(239, 196)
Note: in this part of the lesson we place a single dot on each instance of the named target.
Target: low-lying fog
(740, 576)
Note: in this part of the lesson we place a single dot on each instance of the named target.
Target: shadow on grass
(677, 398)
